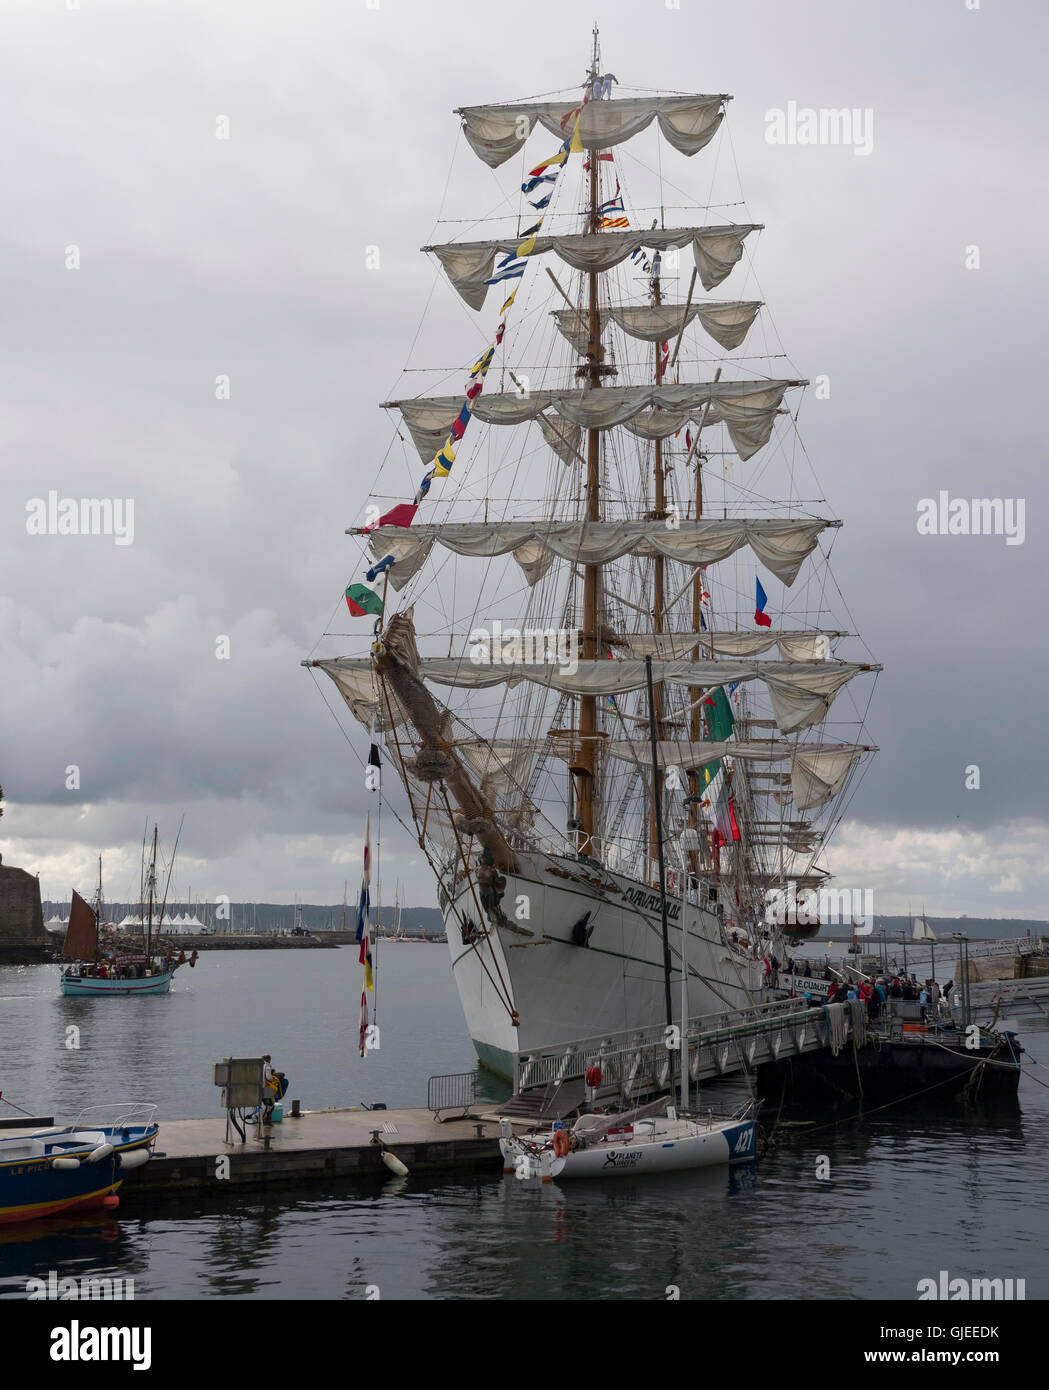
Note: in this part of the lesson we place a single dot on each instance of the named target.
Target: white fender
(65, 1165)
(96, 1155)
(394, 1163)
(135, 1158)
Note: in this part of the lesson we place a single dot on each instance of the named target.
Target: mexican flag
(718, 805)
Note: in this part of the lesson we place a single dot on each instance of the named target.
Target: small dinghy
(79, 1166)
(652, 1139)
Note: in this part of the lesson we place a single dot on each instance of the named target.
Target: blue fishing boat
(79, 1166)
(118, 977)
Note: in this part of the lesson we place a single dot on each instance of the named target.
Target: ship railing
(635, 1054)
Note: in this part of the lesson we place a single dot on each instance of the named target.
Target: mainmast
(585, 766)
(656, 713)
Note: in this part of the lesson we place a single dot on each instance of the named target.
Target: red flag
(401, 515)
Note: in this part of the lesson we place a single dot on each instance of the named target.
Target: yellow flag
(527, 246)
(576, 147)
(480, 368)
(508, 303)
(446, 456)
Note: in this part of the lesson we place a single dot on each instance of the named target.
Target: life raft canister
(560, 1142)
(593, 1077)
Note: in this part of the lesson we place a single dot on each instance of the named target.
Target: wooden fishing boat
(81, 1166)
(144, 971)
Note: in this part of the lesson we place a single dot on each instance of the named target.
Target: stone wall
(22, 935)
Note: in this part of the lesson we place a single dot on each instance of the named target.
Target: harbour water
(910, 1191)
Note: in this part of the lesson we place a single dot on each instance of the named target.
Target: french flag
(761, 598)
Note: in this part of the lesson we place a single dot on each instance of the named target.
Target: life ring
(560, 1142)
(593, 1077)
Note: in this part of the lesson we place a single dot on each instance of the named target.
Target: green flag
(717, 714)
(361, 600)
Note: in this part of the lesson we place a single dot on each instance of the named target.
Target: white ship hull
(561, 991)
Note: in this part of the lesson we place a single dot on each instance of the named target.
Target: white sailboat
(535, 784)
(921, 931)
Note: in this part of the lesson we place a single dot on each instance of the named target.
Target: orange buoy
(560, 1142)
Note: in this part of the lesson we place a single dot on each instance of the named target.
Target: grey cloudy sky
(246, 257)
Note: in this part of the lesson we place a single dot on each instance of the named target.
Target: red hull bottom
(108, 1199)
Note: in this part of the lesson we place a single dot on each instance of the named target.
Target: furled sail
(747, 409)
(726, 321)
(781, 545)
(469, 264)
(793, 646)
(817, 773)
(496, 133)
(370, 705)
(801, 694)
(498, 764)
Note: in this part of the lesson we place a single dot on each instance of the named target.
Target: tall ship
(554, 645)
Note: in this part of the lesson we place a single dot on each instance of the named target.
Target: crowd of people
(125, 970)
(934, 1000)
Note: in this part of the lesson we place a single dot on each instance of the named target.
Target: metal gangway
(638, 1060)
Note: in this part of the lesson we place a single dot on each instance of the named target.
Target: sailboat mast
(585, 767)
(152, 885)
(659, 848)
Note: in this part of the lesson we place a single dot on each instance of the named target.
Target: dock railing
(454, 1091)
(634, 1057)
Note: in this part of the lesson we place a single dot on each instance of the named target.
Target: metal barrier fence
(452, 1092)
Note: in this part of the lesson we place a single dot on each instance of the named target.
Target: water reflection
(906, 1191)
